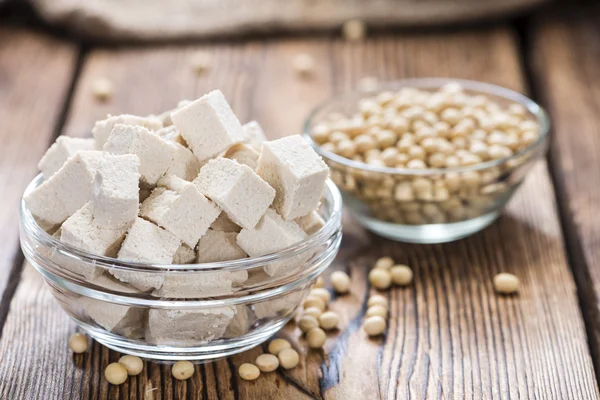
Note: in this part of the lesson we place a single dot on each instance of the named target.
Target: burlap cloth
(176, 19)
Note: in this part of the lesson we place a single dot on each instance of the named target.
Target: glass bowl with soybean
(196, 312)
(428, 160)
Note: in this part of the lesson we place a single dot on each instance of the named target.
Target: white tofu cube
(208, 125)
(310, 223)
(165, 117)
(236, 189)
(281, 306)
(46, 207)
(81, 230)
(224, 224)
(102, 129)
(184, 163)
(170, 133)
(172, 182)
(244, 154)
(146, 243)
(156, 156)
(213, 247)
(218, 246)
(272, 234)
(241, 323)
(143, 281)
(65, 192)
(254, 134)
(116, 191)
(198, 285)
(68, 264)
(296, 172)
(116, 318)
(107, 281)
(186, 214)
(184, 255)
(63, 148)
(187, 327)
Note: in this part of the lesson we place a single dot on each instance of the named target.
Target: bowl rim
(433, 83)
(31, 228)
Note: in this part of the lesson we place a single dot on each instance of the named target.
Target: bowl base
(427, 234)
(170, 354)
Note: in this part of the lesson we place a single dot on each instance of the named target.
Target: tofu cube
(63, 148)
(81, 230)
(171, 134)
(236, 189)
(46, 207)
(184, 163)
(310, 223)
(198, 285)
(224, 224)
(142, 281)
(116, 318)
(165, 117)
(156, 156)
(65, 192)
(70, 266)
(213, 247)
(186, 214)
(146, 243)
(218, 246)
(107, 281)
(187, 327)
(208, 125)
(241, 323)
(172, 182)
(184, 255)
(244, 154)
(296, 172)
(102, 129)
(278, 307)
(272, 234)
(253, 134)
(116, 191)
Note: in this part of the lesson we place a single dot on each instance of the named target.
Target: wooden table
(449, 335)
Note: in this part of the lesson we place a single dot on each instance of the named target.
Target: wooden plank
(565, 65)
(35, 75)
(450, 336)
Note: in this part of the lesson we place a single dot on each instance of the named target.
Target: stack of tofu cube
(192, 185)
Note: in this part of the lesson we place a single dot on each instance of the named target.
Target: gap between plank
(19, 258)
(525, 31)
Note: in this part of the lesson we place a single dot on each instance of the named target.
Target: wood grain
(449, 335)
(35, 75)
(145, 21)
(565, 64)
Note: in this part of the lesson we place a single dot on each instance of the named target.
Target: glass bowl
(201, 311)
(371, 191)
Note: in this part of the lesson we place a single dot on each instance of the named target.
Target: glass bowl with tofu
(428, 160)
(183, 236)
(199, 311)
